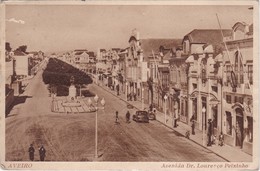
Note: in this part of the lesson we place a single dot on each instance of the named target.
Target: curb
(170, 127)
(194, 141)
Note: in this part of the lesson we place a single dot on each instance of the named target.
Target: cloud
(16, 21)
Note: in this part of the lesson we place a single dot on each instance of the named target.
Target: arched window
(239, 68)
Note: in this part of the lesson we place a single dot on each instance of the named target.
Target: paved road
(71, 137)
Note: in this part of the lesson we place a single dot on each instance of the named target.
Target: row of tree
(22, 48)
(58, 72)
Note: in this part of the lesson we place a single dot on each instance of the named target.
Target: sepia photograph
(129, 85)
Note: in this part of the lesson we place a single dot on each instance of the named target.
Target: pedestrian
(117, 89)
(127, 117)
(151, 107)
(221, 139)
(31, 152)
(135, 98)
(42, 153)
(187, 134)
(117, 118)
(192, 120)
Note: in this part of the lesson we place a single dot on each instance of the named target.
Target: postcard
(129, 85)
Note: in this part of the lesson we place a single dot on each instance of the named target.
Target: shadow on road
(17, 100)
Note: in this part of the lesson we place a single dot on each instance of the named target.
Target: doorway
(239, 128)
(204, 118)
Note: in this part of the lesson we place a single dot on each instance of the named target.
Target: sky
(58, 28)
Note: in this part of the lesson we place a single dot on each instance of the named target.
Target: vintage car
(141, 116)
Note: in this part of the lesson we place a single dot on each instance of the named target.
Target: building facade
(178, 93)
(136, 69)
(237, 111)
(204, 90)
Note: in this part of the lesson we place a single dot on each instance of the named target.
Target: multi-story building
(136, 68)
(178, 93)
(220, 87)
(204, 90)
(237, 110)
(157, 53)
(200, 91)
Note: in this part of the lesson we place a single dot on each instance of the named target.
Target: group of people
(211, 138)
(127, 116)
(42, 152)
(131, 96)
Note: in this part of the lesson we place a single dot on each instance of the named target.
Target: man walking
(117, 118)
(31, 152)
(192, 120)
(42, 152)
(117, 89)
(127, 117)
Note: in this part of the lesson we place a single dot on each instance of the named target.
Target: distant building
(21, 63)
(178, 93)
(136, 68)
(157, 53)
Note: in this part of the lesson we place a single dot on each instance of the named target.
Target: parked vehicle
(141, 116)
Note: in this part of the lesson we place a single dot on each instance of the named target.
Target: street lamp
(142, 98)
(80, 90)
(96, 132)
(126, 90)
(203, 129)
(165, 98)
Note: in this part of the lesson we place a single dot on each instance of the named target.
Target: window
(228, 99)
(235, 99)
(182, 108)
(239, 68)
(228, 123)
(215, 89)
(194, 86)
(239, 99)
(250, 74)
(228, 72)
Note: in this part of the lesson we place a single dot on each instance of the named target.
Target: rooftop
(149, 45)
(210, 36)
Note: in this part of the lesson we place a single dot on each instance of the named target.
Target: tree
(22, 48)
(8, 47)
(58, 72)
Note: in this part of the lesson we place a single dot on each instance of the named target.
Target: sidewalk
(229, 153)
